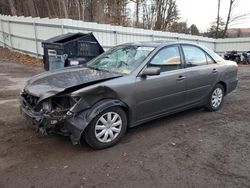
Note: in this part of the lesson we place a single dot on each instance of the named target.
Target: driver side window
(167, 59)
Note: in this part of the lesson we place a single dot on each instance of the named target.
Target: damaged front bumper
(64, 123)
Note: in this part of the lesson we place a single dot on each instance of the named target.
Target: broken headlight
(47, 106)
(59, 103)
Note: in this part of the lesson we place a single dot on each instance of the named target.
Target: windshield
(123, 59)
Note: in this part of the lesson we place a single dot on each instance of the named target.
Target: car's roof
(161, 44)
(147, 43)
(156, 43)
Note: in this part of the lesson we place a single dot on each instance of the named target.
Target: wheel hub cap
(217, 97)
(108, 127)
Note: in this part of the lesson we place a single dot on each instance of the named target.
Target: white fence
(26, 34)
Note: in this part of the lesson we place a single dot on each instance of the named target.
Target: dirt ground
(191, 149)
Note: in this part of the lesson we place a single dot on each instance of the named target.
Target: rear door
(158, 94)
(201, 72)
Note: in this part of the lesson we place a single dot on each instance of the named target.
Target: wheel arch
(99, 107)
(105, 104)
(224, 86)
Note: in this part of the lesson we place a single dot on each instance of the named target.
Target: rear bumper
(232, 86)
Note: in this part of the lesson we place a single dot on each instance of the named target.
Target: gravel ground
(190, 149)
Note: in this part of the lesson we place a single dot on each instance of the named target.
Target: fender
(78, 123)
(103, 105)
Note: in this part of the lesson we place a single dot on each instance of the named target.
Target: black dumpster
(70, 49)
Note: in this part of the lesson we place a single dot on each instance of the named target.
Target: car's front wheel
(216, 98)
(106, 129)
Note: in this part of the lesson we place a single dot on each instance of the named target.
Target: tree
(12, 7)
(159, 14)
(137, 11)
(152, 14)
(214, 31)
(166, 14)
(239, 33)
(64, 8)
(31, 8)
(218, 20)
(228, 16)
(233, 17)
(220, 27)
(179, 27)
(194, 30)
(48, 8)
(149, 12)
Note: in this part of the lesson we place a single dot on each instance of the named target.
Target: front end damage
(55, 115)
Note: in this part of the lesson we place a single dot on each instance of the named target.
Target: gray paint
(143, 98)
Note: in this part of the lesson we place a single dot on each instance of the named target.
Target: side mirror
(151, 71)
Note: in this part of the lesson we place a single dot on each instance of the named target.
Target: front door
(158, 94)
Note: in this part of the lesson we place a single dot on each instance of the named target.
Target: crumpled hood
(51, 83)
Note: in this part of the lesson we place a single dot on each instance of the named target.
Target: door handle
(214, 70)
(180, 78)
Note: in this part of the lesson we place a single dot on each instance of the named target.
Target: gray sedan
(124, 87)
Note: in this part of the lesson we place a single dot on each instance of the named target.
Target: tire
(102, 125)
(216, 98)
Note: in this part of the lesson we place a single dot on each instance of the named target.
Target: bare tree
(12, 7)
(149, 14)
(159, 14)
(52, 4)
(231, 17)
(81, 4)
(218, 19)
(137, 11)
(29, 8)
(231, 4)
(152, 14)
(48, 8)
(64, 7)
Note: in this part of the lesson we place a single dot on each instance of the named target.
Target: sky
(203, 12)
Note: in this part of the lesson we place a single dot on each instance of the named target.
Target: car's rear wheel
(106, 129)
(216, 98)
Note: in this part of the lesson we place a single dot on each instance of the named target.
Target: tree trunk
(137, 13)
(83, 9)
(218, 20)
(158, 22)
(12, 7)
(64, 7)
(78, 4)
(31, 7)
(36, 9)
(228, 17)
(52, 8)
(48, 8)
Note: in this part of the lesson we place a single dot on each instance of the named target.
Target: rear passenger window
(167, 59)
(194, 56)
